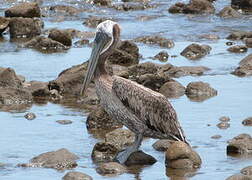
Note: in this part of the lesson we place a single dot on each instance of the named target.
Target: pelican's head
(106, 37)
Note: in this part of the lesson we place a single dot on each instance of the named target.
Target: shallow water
(21, 140)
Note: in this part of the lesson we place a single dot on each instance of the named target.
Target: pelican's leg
(124, 155)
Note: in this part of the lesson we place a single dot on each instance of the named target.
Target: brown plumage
(142, 110)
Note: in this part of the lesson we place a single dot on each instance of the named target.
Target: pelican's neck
(100, 70)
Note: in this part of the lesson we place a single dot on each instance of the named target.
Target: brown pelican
(145, 112)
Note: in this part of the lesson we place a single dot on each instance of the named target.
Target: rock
(242, 4)
(223, 125)
(152, 81)
(181, 156)
(248, 42)
(238, 49)
(216, 136)
(104, 152)
(212, 37)
(4, 22)
(8, 78)
(156, 40)
(239, 35)
(172, 89)
(245, 67)
(195, 51)
(162, 144)
(162, 56)
(76, 176)
(26, 10)
(224, 119)
(24, 27)
(30, 116)
(132, 6)
(140, 158)
(93, 21)
(122, 58)
(61, 36)
(44, 44)
(120, 138)
(229, 43)
(38, 89)
(101, 2)
(81, 43)
(241, 144)
(100, 120)
(229, 12)
(64, 122)
(247, 171)
(177, 8)
(65, 10)
(61, 159)
(199, 91)
(143, 68)
(247, 121)
(239, 177)
(111, 168)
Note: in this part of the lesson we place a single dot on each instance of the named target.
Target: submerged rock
(74, 175)
(65, 10)
(156, 40)
(111, 168)
(140, 158)
(26, 10)
(162, 144)
(196, 51)
(245, 67)
(30, 116)
(61, 36)
(238, 49)
(229, 12)
(132, 6)
(247, 121)
(223, 125)
(172, 89)
(4, 22)
(162, 56)
(224, 119)
(239, 35)
(61, 159)
(247, 171)
(216, 136)
(64, 122)
(241, 144)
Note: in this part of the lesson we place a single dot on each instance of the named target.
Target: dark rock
(223, 125)
(81, 43)
(102, 2)
(229, 12)
(247, 171)
(104, 152)
(216, 137)
(172, 89)
(245, 67)
(38, 89)
(224, 119)
(238, 49)
(247, 121)
(156, 40)
(120, 138)
(4, 22)
(195, 51)
(199, 91)
(241, 144)
(44, 44)
(61, 36)
(64, 122)
(100, 120)
(76, 176)
(248, 42)
(93, 21)
(30, 116)
(61, 159)
(181, 156)
(162, 145)
(177, 8)
(24, 27)
(239, 35)
(63, 9)
(152, 81)
(111, 168)
(132, 6)
(162, 56)
(229, 43)
(199, 7)
(26, 10)
(242, 4)
(239, 177)
(140, 158)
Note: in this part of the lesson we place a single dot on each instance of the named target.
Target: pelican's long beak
(101, 40)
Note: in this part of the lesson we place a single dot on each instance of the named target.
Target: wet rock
(177, 8)
(181, 156)
(162, 56)
(64, 122)
(241, 144)
(224, 119)
(223, 125)
(156, 40)
(26, 10)
(80, 34)
(199, 91)
(102, 2)
(242, 4)
(120, 138)
(140, 158)
(44, 44)
(247, 121)
(248, 42)
(152, 81)
(239, 35)
(111, 168)
(30, 116)
(38, 89)
(4, 22)
(93, 21)
(245, 67)
(172, 89)
(162, 144)
(81, 43)
(238, 49)
(9, 78)
(212, 37)
(64, 9)
(24, 27)
(61, 159)
(216, 136)
(76, 176)
(239, 177)
(100, 120)
(132, 6)
(196, 51)
(104, 152)
(247, 171)
(229, 12)
(61, 36)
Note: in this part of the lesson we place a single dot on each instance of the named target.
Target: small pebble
(216, 137)
(224, 119)
(30, 116)
(64, 122)
(223, 125)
